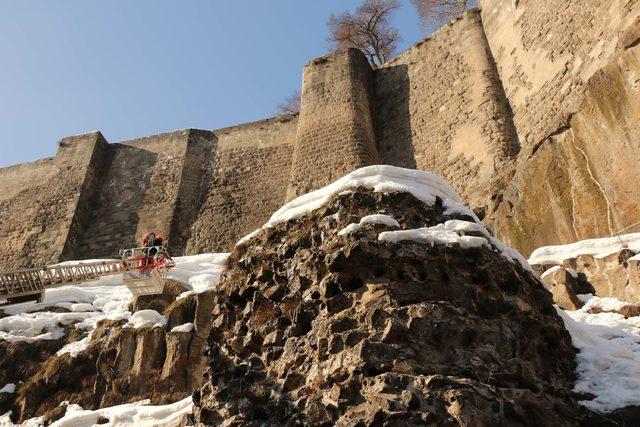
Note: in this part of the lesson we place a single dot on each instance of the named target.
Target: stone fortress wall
(528, 107)
(441, 108)
(569, 69)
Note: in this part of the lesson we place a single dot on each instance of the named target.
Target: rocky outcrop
(317, 323)
(120, 364)
(565, 285)
(608, 267)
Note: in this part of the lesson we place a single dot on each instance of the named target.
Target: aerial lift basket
(146, 269)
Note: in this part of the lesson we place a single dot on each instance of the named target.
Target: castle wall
(335, 132)
(43, 206)
(582, 182)
(190, 193)
(528, 108)
(143, 182)
(546, 51)
(246, 182)
(441, 108)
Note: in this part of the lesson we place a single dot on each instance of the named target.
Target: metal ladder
(29, 284)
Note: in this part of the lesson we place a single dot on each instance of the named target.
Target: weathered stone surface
(441, 108)
(120, 365)
(615, 275)
(370, 332)
(565, 286)
(580, 183)
(528, 108)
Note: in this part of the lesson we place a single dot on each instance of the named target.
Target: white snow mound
(128, 415)
(424, 186)
(369, 219)
(609, 357)
(199, 273)
(146, 319)
(9, 388)
(186, 327)
(453, 231)
(598, 248)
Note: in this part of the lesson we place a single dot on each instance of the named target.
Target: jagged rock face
(120, 365)
(614, 275)
(565, 286)
(316, 327)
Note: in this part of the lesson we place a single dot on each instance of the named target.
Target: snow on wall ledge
(609, 357)
(598, 248)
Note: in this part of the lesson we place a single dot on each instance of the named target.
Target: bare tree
(291, 104)
(434, 13)
(369, 30)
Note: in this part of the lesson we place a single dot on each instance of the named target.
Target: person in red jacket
(150, 239)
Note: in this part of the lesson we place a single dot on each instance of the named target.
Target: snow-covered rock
(146, 319)
(129, 415)
(609, 357)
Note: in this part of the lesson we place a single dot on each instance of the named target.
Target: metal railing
(30, 284)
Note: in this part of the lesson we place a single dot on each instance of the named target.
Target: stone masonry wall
(191, 189)
(546, 51)
(528, 108)
(246, 182)
(582, 182)
(441, 108)
(335, 132)
(43, 204)
(141, 188)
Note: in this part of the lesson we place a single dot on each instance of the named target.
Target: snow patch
(9, 388)
(199, 273)
(106, 298)
(598, 248)
(89, 303)
(187, 327)
(604, 304)
(433, 235)
(146, 319)
(609, 357)
(369, 219)
(127, 415)
(453, 231)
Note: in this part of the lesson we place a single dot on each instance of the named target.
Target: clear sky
(135, 68)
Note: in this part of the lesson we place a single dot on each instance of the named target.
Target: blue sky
(135, 68)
